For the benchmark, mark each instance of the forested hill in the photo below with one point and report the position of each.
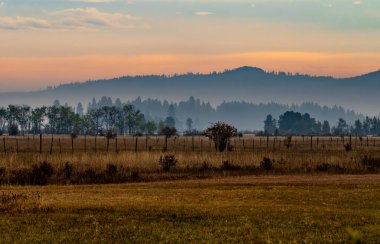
(242, 84)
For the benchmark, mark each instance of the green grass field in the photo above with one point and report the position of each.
(319, 209)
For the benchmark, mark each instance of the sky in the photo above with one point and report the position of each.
(49, 42)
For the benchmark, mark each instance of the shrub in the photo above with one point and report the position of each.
(266, 164)
(110, 134)
(2, 174)
(226, 165)
(41, 173)
(20, 176)
(348, 147)
(13, 130)
(324, 167)
(220, 133)
(167, 162)
(89, 175)
(168, 131)
(111, 170)
(68, 170)
(205, 166)
(135, 175)
(371, 163)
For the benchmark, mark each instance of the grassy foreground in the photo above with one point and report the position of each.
(320, 208)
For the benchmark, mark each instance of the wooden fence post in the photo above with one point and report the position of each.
(367, 141)
(311, 142)
(72, 144)
(192, 142)
(40, 143)
(317, 142)
(51, 144)
(28, 144)
(116, 150)
(85, 143)
(146, 142)
(5, 146)
(136, 144)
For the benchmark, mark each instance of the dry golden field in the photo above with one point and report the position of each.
(249, 209)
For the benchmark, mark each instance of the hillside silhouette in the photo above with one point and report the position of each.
(249, 84)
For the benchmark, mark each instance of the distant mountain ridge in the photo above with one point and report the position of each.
(250, 84)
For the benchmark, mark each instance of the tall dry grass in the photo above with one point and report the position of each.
(194, 154)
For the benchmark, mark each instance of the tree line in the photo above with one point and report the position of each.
(295, 123)
(63, 119)
(125, 119)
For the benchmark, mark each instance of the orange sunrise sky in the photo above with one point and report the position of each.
(51, 42)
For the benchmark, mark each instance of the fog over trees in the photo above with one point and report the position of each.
(106, 116)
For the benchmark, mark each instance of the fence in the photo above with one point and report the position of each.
(51, 144)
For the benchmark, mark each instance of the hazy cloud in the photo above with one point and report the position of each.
(93, 1)
(357, 2)
(72, 18)
(203, 13)
(92, 17)
(20, 22)
(2, 4)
